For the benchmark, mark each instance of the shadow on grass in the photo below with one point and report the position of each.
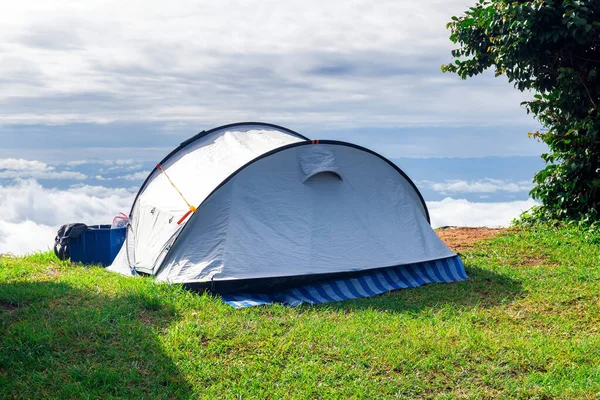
(60, 342)
(483, 289)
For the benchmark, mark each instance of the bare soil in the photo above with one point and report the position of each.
(461, 239)
(7, 306)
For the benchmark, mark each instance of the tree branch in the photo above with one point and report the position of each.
(586, 59)
(587, 91)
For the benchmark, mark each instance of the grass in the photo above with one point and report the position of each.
(525, 325)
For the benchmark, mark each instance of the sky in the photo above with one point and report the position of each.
(94, 93)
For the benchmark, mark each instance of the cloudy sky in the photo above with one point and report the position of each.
(93, 93)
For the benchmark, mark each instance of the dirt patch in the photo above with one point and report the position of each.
(540, 259)
(50, 271)
(146, 319)
(461, 239)
(534, 260)
(8, 307)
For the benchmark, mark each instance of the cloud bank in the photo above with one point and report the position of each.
(13, 168)
(31, 214)
(486, 185)
(460, 212)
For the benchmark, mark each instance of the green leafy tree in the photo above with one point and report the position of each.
(552, 48)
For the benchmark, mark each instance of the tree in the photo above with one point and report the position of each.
(552, 48)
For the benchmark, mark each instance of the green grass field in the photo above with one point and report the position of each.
(525, 325)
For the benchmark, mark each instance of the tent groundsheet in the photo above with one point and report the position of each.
(366, 284)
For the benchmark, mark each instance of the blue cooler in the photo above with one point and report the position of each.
(99, 244)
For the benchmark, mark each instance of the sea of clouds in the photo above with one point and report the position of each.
(32, 212)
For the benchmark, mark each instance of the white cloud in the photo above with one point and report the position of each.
(43, 175)
(460, 212)
(77, 163)
(19, 164)
(122, 167)
(135, 177)
(25, 237)
(31, 214)
(486, 185)
(13, 168)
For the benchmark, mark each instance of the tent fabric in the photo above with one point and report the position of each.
(269, 204)
(318, 159)
(195, 170)
(267, 221)
(369, 283)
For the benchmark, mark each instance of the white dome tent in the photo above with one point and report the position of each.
(259, 213)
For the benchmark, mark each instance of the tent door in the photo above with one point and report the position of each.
(155, 229)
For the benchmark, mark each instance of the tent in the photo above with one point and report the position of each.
(259, 213)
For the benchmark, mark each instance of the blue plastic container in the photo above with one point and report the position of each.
(99, 244)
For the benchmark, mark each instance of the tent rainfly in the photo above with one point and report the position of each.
(260, 214)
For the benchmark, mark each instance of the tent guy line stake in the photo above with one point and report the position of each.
(192, 208)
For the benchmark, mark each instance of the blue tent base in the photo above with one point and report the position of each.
(370, 283)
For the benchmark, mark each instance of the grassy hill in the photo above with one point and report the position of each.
(525, 325)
